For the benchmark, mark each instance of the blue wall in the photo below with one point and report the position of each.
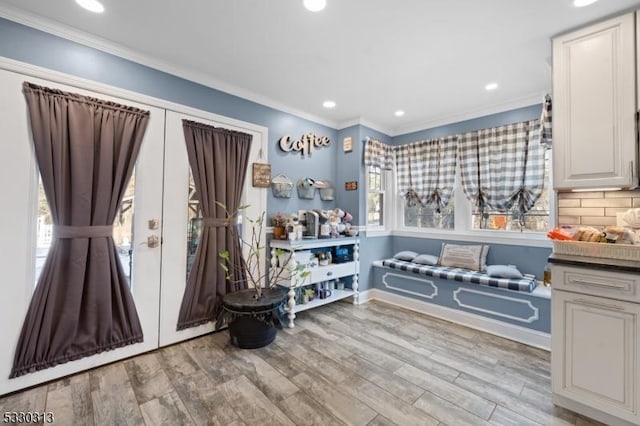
(513, 116)
(32, 46)
(530, 260)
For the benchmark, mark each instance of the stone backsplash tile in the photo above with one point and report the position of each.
(606, 202)
(596, 208)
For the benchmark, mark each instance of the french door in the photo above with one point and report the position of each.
(181, 216)
(153, 230)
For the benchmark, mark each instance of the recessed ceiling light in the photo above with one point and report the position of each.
(399, 113)
(315, 5)
(91, 5)
(491, 86)
(583, 3)
(329, 104)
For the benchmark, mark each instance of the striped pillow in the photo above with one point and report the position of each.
(472, 257)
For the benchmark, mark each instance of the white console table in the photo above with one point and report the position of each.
(318, 274)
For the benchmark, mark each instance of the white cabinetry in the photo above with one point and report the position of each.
(319, 274)
(595, 362)
(594, 106)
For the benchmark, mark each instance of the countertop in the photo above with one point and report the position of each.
(600, 263)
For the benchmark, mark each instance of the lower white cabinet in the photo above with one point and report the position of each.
(595, 355)
(344, 264)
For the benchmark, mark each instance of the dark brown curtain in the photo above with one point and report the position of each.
(86, 150)
(218, 159)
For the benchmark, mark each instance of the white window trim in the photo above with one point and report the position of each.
(389, 205)
(463, 227)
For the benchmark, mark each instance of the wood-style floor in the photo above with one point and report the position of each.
(369, 365)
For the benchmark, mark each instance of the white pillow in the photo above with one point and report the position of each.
(426, 259)
(405, 255)
(503, 271)
(472, 257)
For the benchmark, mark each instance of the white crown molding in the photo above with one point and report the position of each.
(496, 108)
(58, 29)
(61, 30)
(362, 122)
(521, 102)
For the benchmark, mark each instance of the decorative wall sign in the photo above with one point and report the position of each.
(305, 144)
(347, 144)
(261, 175)
(351, 186)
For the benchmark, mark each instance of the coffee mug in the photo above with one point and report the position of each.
(324, 293)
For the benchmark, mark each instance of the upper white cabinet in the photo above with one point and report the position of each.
(594, 123)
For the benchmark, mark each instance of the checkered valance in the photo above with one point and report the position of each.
(379, 154)
(503, 167)
(426, 171)
(546, 122)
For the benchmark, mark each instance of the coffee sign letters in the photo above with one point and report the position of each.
(305, 144)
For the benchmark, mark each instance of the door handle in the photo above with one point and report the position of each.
(153, 241)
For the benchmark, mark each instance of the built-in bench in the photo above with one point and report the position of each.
(526, 284)
(514, 308)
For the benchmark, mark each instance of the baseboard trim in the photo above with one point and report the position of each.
(509, 331)
(590, 412)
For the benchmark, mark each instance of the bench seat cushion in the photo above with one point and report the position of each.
(463, 275)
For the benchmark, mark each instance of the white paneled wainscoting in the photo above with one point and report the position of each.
(516, 315)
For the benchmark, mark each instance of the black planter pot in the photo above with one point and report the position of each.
(252, 322)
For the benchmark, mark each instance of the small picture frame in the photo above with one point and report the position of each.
(347, 144)
(261, 176)
(351, 186)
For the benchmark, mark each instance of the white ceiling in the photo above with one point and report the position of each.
(429, 58)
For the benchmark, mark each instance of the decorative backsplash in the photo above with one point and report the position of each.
(596, 208)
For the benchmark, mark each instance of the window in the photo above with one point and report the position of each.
(375, 196)
(536, 219)
(122, 230)
(427, 216)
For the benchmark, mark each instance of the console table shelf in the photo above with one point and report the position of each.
(345, 268)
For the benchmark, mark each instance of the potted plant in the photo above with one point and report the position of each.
(253, 315)
(279, 221)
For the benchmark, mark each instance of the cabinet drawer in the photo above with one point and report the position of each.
(614, 285)
(323, 273)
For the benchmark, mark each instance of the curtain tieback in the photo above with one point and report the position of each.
(62, 231)
(214, 222)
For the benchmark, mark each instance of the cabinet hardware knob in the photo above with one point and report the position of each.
(329, 273)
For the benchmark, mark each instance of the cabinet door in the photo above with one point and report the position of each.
(594, 106)
(595, 352)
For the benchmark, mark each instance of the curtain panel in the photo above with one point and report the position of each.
(546, 122)
(503, 167)
(218, 159)
(378, 154)
(426, 171)
(86, 149)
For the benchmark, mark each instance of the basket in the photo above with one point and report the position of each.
(306, 190)
(281, 186)
(608, 251)
(326, 189)
(327, 194)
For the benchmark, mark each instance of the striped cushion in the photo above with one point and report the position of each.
(464, 275)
